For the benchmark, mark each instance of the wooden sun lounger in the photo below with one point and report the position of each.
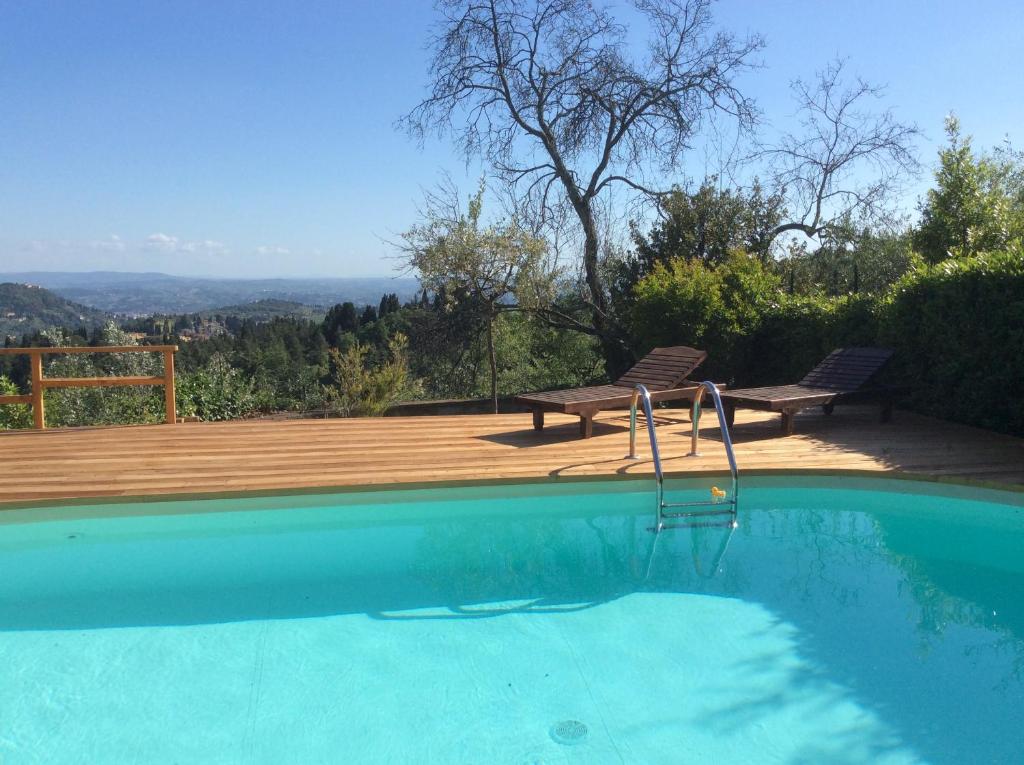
(663, 371)
(843, 377)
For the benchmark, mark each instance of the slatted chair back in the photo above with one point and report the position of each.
(847, 369)
(663, 368)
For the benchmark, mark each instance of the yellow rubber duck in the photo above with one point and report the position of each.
(717, 493)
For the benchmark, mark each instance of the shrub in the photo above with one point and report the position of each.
(216, 391)
(718, 308)
(13, 416)
(358, 390)
(958, 329)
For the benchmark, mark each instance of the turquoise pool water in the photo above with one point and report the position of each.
(844, 621)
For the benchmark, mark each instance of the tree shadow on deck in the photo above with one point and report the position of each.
(566, 431)
(851, 438)
(854, 437)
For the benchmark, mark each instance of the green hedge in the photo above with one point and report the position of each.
(798, 332)
(755, 333)
(957, 328)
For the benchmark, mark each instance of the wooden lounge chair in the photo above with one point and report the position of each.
(843, 377)
(663, 371)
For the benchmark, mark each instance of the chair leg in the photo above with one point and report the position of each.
(538, 419)
(587, 425)
(730, 413)
(828, 408)
(788, 416)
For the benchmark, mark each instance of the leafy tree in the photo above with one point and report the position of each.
(972, 207)
(447, 349)
(388, 304)
(705, 225)
(369, 315)
(340, 319)
(1010, 165)
(537, 356)
(849, 261)
(488, 265)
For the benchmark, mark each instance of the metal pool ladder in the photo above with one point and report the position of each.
(716, 507)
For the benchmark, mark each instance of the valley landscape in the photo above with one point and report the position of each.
(144, 294)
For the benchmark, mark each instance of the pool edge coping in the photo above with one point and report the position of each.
(116, 499)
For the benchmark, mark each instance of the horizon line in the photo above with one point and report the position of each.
(204, 276)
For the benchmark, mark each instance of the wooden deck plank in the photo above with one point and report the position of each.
(267, 455)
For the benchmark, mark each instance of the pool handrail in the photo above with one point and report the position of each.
(641, 394)
(723, 426)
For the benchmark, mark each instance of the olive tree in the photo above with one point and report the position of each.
(498, 266)
(553, 94)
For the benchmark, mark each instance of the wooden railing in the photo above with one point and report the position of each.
(41, 383)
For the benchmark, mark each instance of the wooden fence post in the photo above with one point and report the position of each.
(169, 400)
(40, 384)
(38, 413)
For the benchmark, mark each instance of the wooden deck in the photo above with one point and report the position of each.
(268, 455)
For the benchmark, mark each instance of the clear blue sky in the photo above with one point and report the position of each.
(256, 138)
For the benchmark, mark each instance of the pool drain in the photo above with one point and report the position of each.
(569, 732)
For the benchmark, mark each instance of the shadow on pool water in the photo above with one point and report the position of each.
(924, 625)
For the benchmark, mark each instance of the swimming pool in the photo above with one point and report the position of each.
(846, 620)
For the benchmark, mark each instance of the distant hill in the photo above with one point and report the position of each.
(268, 309)
(139, 294)
(27, 308)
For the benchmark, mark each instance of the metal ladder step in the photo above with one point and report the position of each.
(730, 524)
(695, 504)
(641, 394)
(695, 513)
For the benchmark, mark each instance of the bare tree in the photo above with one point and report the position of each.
(549, 92)
(821, 170)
